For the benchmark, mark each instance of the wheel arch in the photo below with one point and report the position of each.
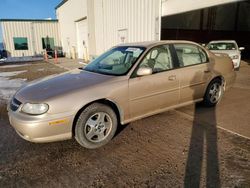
(105, 101)
(221, 78)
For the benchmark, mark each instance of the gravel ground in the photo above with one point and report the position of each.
(28, 72)
(178, 148)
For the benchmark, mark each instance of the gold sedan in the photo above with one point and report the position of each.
(127, 83)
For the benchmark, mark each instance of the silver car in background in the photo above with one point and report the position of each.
(228, 47)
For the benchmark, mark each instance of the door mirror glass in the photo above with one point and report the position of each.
(144, 71)
(241, 48)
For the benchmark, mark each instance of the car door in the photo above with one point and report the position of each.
(151, 93)
(194, 71)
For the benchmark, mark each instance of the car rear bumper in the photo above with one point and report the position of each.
(230, 79)
(236, 63)
(42, 130)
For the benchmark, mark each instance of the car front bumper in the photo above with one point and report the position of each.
(42, 129)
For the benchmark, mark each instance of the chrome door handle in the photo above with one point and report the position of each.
(172, 78)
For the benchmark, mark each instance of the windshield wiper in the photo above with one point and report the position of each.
(101, 72)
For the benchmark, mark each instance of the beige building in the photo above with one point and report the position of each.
(22, 37)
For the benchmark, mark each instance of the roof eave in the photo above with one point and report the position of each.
(27, 20)
(61, 4)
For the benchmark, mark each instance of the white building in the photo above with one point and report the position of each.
(89, 27)
(22, 37)
(72, 16)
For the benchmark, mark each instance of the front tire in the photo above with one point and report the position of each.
(213, 93)
(95, 126)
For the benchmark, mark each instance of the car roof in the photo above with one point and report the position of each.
(156, 43)
(223, 41)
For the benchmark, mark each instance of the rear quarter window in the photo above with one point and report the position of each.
(203, 55)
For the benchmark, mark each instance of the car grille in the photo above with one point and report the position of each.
(15, 104)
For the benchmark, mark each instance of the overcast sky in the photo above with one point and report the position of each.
(27, 9)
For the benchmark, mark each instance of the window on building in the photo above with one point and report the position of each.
(48, 43)
(20, 43)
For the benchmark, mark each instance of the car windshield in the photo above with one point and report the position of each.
(221, 46)
(116, 61)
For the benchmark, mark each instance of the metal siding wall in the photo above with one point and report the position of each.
(139, 17)
(99, 26)
(91, 27)
(44, 29)
(23, 29)
(68, 14)
(17, 29)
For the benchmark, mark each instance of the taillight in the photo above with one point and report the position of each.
(232, 64)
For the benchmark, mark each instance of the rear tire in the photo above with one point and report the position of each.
(213, 93)
(95, 126)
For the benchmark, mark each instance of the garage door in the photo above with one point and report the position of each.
(82, 39)
(170, 7)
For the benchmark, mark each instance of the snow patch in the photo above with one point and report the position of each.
(2, 60)
(9, 74)
(14, 66)
(8, 86)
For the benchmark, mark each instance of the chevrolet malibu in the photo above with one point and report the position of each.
(127, 83)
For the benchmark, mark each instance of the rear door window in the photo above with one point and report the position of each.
(189, 54)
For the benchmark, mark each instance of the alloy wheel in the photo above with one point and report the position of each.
(215, 92)
(98, 127)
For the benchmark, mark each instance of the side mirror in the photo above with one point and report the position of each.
(241, 48)
(144, 71)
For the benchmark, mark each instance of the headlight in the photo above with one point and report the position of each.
(235, 57)
(35, 109)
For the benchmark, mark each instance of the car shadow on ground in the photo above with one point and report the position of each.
(120, 128)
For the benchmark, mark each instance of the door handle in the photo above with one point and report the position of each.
(172, 78)
(207, 71)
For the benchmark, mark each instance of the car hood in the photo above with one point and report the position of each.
(60, 85)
